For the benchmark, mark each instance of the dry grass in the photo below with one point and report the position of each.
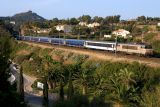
(23, 52)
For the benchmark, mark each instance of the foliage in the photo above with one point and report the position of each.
(70, 88)
(149, 37)
(45, 91)
(156, 46)
(21, 85)
(85, 18)
(8, 95)
(53, 31)
(158, 28)
(103, 83)
(151, 99)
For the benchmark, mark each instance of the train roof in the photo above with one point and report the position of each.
(75, 40)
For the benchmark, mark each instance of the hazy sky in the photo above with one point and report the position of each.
(74, 8)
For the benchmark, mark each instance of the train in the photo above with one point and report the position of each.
(128, 48)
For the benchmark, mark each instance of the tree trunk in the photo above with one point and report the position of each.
(21, 85)
(117, 105)
(50, 84)
(70, 89)
(45, 92)
(61, 91)
(54, 84)
(84, 90)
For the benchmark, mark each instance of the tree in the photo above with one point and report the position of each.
(53, 31)
(82, 76)
(112, 19)
(45, 91)
(126, 77)
(141, 18)
(21, 85)
(55, 74)
(5, 50)
(122, 88)
(54, 22)
(97, 19)
(85, 18)
(8, 95)
(70, 87)
(61, 91)
(73, 21)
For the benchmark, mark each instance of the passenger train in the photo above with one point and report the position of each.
(129, 48)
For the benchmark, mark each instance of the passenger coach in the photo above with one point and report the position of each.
(110, 46)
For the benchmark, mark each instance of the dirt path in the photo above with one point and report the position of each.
(33, 99)
(102, 55)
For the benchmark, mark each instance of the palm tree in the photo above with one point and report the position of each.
(122, 88)
(127, 77)
(82, 77)
(70, 87)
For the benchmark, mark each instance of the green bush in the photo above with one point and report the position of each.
(149, 37)
(156, 46)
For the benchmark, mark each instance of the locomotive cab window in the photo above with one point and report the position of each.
(148, 47)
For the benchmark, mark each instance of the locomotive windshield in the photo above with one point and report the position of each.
(148, 47)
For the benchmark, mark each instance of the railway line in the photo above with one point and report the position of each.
(101, 55)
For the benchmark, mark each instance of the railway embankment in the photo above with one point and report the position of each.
(100, 55)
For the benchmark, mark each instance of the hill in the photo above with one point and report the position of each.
(27, 16)
(24, 17)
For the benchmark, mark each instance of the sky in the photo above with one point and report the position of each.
(128, 9)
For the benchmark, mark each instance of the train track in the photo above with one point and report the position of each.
(102, 55)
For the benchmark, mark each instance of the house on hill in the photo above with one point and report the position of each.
(92, 25)
(39, 31)
(65, 28)
(82, 23)
(122, 32)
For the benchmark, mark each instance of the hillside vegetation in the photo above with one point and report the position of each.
(152, 38)
(90, 83)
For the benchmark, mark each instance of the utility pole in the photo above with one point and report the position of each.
(116, 46)
(59, 37)
(142, 37)
(78, 33)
